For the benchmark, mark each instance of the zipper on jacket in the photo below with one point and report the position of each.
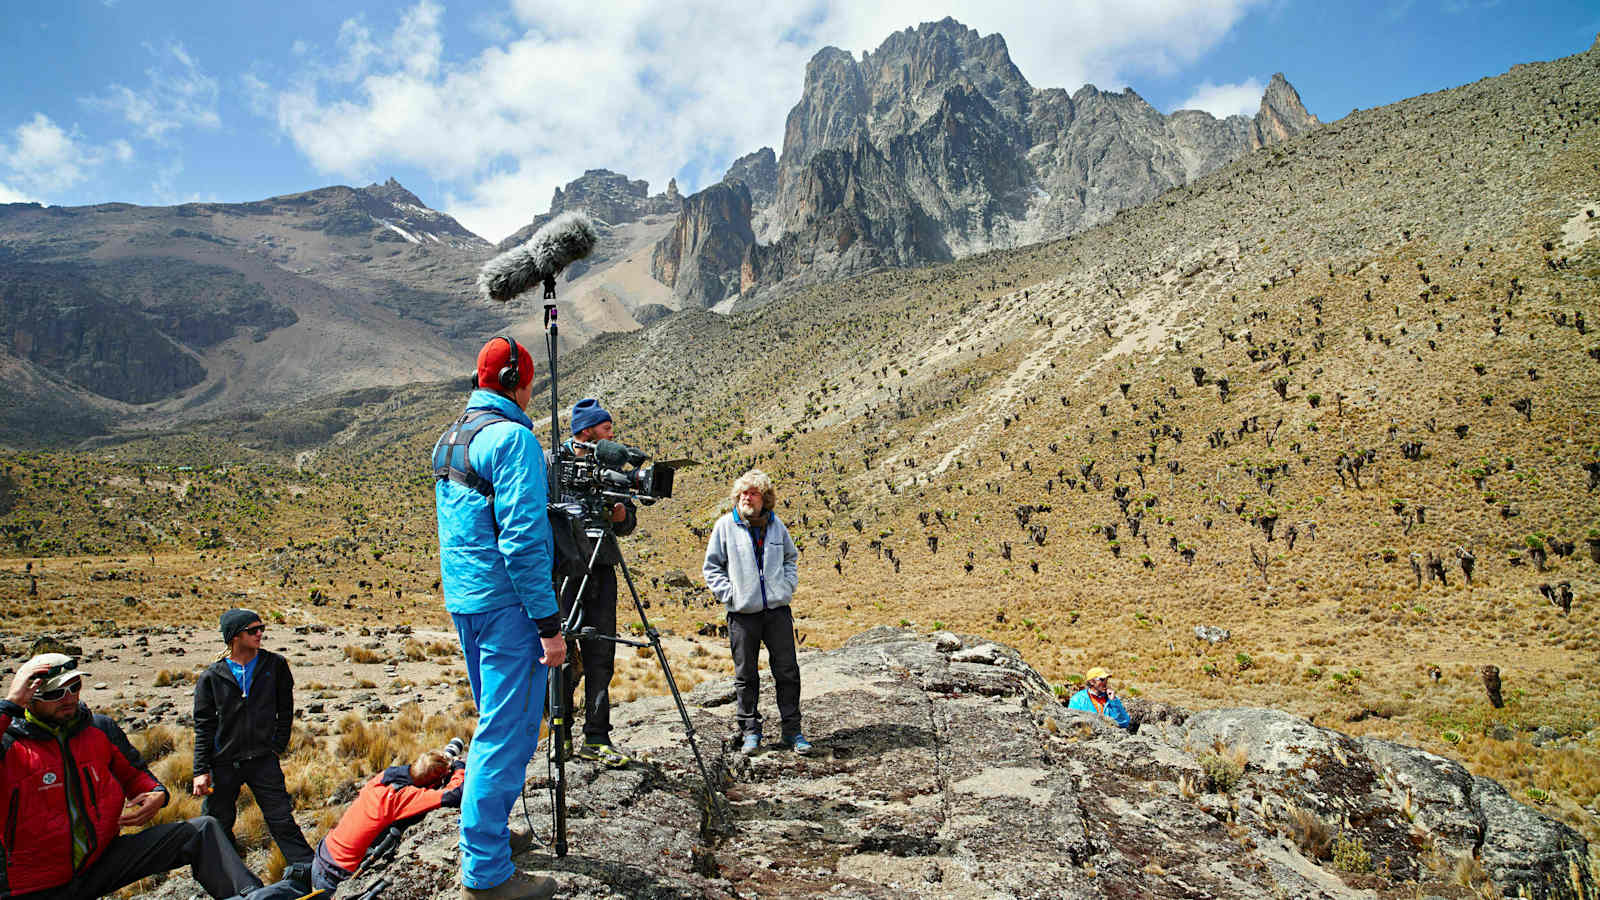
(68, 765)
(88, 782)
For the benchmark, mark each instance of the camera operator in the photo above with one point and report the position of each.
(590, 423)
(495, 560)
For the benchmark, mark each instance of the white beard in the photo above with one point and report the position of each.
(746, 510)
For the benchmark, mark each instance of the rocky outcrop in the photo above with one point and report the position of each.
(611, 198)
(699, 259)
(978, 158)
(1282, 116)
(945, 767)
(759, 172)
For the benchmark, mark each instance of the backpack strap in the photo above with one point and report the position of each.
(450, 462)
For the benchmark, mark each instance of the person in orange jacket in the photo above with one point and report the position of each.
(393, 796)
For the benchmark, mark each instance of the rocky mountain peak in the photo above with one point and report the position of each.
(392, 191)
(912, 64)
(610, 197)
(1282, 115)
(975, 158)
(759, 172)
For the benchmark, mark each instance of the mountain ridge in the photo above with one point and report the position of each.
(935, 146)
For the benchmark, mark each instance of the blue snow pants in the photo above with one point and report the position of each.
(502, 652)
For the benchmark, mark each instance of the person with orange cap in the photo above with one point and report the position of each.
(496, 561)
(1098, 697)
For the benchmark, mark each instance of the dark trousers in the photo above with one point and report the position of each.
(200, 843)
(747, 632)
(327, 875)
(265, 778)
(599, 657)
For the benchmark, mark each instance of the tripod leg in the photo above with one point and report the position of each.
(560, 711)
(557, 756)
(672, 683)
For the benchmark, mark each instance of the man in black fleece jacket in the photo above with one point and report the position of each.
(243, 713)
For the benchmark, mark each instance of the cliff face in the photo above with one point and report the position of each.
(939, 119)
(88, 338)
(699, 259)
(759, 172)
(945, 767)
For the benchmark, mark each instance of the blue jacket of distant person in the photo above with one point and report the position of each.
(498, 553)
(1112, 709)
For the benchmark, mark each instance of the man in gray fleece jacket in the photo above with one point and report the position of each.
(752, 567)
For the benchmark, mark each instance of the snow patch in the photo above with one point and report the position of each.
(400, 231)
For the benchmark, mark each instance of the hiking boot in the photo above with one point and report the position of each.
(798, 744)
(521, 840)
(752, 743)
(604, 754)
(517, 887)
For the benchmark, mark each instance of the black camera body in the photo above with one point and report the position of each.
(608, 473)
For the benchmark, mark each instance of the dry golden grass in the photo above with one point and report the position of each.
(167, 677)
(362, 654)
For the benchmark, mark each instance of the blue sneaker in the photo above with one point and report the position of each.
(752, 743)
(799, 745)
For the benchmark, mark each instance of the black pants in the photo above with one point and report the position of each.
(265, 778)
(747, 632)
(200, 843)
(599, 657)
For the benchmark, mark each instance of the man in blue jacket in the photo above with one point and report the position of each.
(1098, 697)
(495, 560)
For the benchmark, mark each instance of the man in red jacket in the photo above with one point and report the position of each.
(395, 795)
(70, 781)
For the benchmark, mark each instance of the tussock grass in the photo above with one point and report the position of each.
(357, 654)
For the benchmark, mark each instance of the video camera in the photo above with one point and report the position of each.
(611, 471)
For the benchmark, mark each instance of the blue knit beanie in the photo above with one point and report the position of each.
(587, 413)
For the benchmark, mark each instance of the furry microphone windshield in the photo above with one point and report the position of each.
(564, 240)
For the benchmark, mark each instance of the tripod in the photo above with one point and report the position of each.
(597, 529)
(560, 715)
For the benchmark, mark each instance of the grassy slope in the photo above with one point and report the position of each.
(1369, 264)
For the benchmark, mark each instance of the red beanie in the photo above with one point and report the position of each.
(495, 356)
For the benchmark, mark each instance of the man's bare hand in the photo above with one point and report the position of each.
(202, 784)
(141, 809)
(618, 512)
(27, 682)
(555, 650)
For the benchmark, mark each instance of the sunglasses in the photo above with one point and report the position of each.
(71, 687)
(255, 629)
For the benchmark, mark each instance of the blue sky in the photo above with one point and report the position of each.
(482, 108)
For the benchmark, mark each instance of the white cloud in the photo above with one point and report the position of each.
(7, 195)
(651, 89)
(1223, 100)
(43, 158)
(178, 95)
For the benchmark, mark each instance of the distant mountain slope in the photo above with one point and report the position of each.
(202, 308)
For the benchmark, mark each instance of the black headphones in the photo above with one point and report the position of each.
(507, 376)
